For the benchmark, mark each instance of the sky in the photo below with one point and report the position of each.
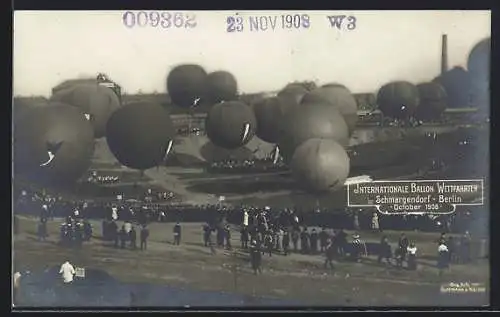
(50, 47)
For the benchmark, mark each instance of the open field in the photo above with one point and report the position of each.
(300, 278)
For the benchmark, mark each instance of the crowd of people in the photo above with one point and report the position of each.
(75, 231)
(94, 178)
(247, 166)
(187, 131)
(262, 231)
(154, 207)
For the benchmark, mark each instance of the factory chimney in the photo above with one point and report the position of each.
(444, 53)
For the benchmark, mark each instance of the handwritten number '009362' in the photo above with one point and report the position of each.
(155, 19)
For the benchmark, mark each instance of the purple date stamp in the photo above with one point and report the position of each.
(263, 23)
(159, 19)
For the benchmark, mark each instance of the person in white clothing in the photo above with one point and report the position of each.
(412, 256)
(114, 214)
(128, 227)
(443, 258)
(15, 289)
(67, 271)
(245, 218)
(375, 222)
(17, 277)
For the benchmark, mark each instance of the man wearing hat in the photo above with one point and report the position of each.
(177, 234)
(330, 254)
(443, 257)
(227, 236)
(412, 257)
(44, 213)
(403, 244)
(359, 248)
(255, 257)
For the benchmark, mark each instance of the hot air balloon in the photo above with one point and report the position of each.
(433, 101)
(320, 165)
(140, 135)
(21, 105)
(478, 65)
(53, 144)
(293, 92)
(97, 102)
(457, 83)
(230, 124)
(269, 113)
(398, 99)
(186, 85)
(221, 86)
(339, 97)
(320, 120)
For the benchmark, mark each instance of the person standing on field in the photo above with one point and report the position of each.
(177, 234)
(68, 272)
(375, 222)
(144, 237)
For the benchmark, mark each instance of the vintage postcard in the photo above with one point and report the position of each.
(251, 158)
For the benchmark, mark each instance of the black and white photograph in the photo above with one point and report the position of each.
(277, 159)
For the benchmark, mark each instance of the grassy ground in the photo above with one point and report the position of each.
(297, 277)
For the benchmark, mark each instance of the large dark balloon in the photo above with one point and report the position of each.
(230, 124)
(478, 63)
(53, 144)
(398, 99)
(320, 120)
(269, 113)
(339, 97)
(96, 101)
(320, 165)
(293, 92)
(140, 135)
(221, 86)
(433, 101)
(185, 84)
(21, 105)
(457, 83)
(479, 68)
